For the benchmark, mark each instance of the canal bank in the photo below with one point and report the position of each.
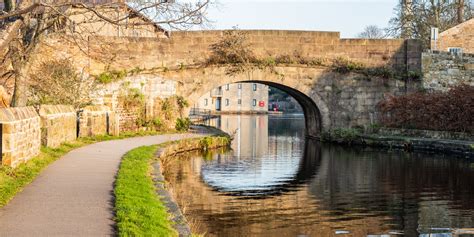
(143, 205)
(449, 143)
(172, 151)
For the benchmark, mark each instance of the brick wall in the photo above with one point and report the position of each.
(442, 70)
(460, 36)
(21, 135)
(58, 124)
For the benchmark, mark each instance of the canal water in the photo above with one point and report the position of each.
(274, 182)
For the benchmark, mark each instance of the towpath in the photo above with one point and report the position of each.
(74, 195)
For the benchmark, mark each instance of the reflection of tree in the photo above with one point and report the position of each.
(398, 185)
(286, 126)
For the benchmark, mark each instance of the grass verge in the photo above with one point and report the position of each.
(12, 180)
(139, 211)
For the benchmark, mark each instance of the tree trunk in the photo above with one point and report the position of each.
(407, 11)
(9, 5)
(20, 92)
(460, 11)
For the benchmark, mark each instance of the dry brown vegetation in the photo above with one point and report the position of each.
(448, 111)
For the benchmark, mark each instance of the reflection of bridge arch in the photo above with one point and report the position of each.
(307, 168)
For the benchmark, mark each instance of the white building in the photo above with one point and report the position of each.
(236, 98)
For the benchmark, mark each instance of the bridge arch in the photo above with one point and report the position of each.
(312, 114)
(314, 108)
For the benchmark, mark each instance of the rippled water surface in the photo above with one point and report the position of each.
(275, 183)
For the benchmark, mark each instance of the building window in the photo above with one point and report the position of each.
(254, 87)
(227, 102)
(227, 87)
(239, 101)
(205, 102)
(254, 102)
(240, 86)
(455, 51)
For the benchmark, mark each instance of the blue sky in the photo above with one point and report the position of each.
(348, 17)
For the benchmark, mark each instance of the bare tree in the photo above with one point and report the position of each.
(57, 82)
(414, 18)
(372, 32)
(74, 18)
(174, 14)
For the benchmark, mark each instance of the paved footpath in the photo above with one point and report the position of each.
(74, 195)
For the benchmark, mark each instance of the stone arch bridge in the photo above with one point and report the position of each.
(329, 99)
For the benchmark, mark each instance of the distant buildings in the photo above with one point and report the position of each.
(236, 98)
(457, 39)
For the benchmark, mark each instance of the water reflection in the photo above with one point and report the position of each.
(295, 187)
(261, 164)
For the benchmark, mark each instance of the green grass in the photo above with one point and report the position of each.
(139, 211)
(12, 181)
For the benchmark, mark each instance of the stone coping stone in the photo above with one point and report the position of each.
(17, 114)
(46, 110)
(96, 108)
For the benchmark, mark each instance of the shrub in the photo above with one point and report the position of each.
(316, 62)
(448, 111)
(342, 135)
(157, 124)
(233, 48)
(284, 59)
(57, 82)
(183, 124)
(182, 102)
(111, 76)
(414, 75)
(342, 65)
(384, 72)
(133, 97)
(205, 143)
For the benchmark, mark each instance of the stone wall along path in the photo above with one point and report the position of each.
(74, 196)
(21, 135)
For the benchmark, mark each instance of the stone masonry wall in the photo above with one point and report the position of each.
(194, 47)
(23, 131)
(128, 119)
(93, 121)
(442, 70)
(336, 96)
(21, 135)
(151, 86)
(58, 124)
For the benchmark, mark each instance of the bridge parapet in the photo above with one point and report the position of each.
(194, 47)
